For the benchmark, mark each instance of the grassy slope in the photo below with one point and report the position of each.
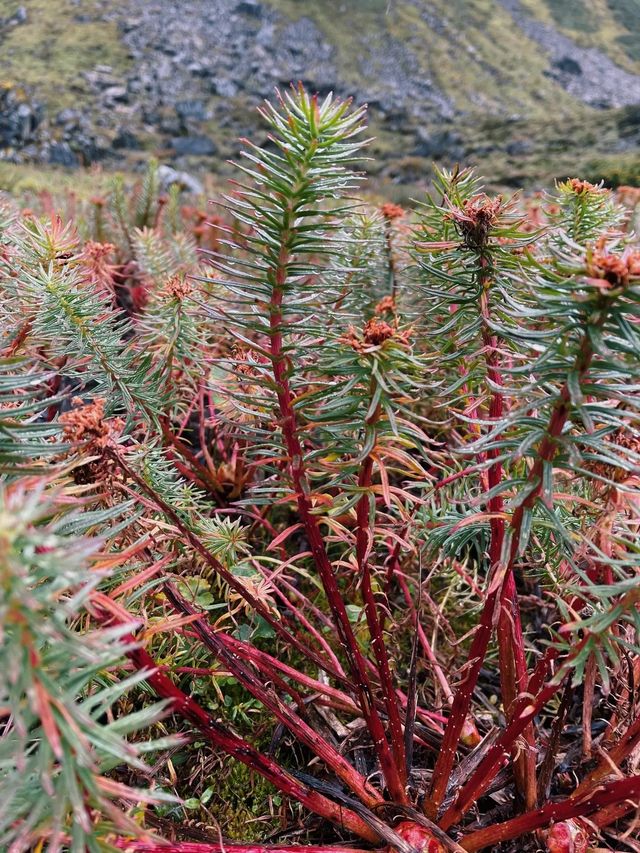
(476, 56)
(610, 25)
(479, 51)
(51, 50)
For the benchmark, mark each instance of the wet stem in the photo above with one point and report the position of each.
(364, 539)
(511, 646)
(498, 588)
(230, 743)
(393, 774)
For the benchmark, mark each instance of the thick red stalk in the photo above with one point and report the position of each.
(296, 725)
(546, 452)
(234, 583)
(511, 647)
(462, 699)
(610, 794)
(297, 472)
(299, 615)
(629, 741)
(265, 661)
(525, 709)
(613, 812)
(364, 536)
(226, 847)
(225, 740)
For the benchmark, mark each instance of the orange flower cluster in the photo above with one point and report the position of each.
(86, 422)
(387, 305)
(178, 286)
(579, 187)
(392, 211)
(475, 218)
(614, 271)
(374, 334)
(95, 260)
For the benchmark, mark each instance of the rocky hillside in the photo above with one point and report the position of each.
(531, 89)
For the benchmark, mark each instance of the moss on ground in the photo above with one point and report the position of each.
(59, 40)
(243, 804)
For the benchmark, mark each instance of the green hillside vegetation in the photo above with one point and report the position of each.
(58, 41)
(496, 103)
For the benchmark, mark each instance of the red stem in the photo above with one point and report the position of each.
(17, 342)
(297, 472)
(511, 648)
(546, 452)
(364, 536)
(302, 730)
(609, 795)
(424, 642)
(262, 659)
(525, 709)
(224, 847)
(230, 743)
(228, 577)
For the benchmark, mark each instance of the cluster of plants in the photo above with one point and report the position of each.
(338, 499)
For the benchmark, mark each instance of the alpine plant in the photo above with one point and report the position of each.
(360, 480)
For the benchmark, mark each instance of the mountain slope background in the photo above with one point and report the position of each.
(529, 90)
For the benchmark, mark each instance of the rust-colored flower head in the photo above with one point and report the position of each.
(611, 271)
(178, 287)
(566, 837)
(475, 218)
(97, 251)
(584, 187)
(86, 422)
(95, 259)
(375, 333)
(629, 196)
(391, 211)
(387, 305)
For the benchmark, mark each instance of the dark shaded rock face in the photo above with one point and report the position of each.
(568, 65)
(197, 70)
(60, 154)
(250, 7)
(20, 118)
(125, 139)
(194, 146)
(438, 144)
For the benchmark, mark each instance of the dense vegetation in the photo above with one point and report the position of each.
(319, 522)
